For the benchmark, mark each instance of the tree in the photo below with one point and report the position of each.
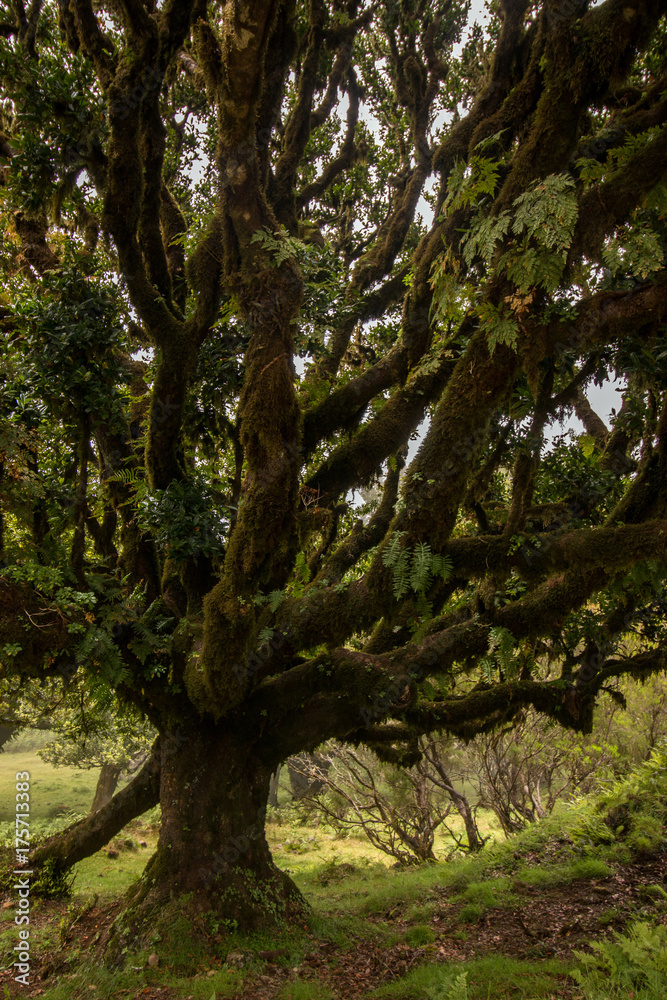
(397, 809)
(88, 727)
(222, 313)
(100, 736)
(523, 771)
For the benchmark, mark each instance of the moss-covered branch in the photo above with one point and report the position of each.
(359, 459)
(91, 833)
(613, 547)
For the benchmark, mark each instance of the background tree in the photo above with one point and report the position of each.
(87, 728)
(399, 810)
(520, 773)
(99, 736)
(223, 311)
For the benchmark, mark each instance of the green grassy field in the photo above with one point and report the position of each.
(58, 794)
(54, 791)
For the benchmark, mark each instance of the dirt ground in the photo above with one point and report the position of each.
(547, 923)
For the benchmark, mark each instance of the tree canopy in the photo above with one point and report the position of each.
(250, 252)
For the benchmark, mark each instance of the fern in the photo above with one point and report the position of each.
(638, 252)
(503, 654)
(421, 573)
(128, 477)
(414, 570)
(302, 568)
(469, 184)
(633, 959)
(451, 990)
(488, 666)
(276, 598)
(281, 246)
(396, 556)
(393, 549)
(483, 238)
(401, 576)
(441, 566)
(500, 327)
(548, 212)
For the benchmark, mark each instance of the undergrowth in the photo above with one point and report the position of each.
(357, 900)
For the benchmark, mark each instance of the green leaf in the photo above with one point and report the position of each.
(420, 568)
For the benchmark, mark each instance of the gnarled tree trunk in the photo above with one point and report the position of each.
(212, 855)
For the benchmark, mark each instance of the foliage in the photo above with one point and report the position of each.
(414, 570)
(52, 883)
(189, 519)
(91, 739)
(633, 959)
(523, 772)
(226, 311)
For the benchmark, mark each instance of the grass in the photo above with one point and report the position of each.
(561, 874)
(54, 791)
(487, 979)
(112, 877)
(357, 898)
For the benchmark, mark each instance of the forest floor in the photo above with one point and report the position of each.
(511, 919)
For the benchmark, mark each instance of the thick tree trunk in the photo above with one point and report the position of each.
(106, 785)
(94, 831)
(6, 733)
(212, 860)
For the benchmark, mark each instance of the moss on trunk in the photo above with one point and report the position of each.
(212, 855)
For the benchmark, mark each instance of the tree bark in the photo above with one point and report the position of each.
(6, 733)
(462, 806)
(106, 785)
(273, 789)
(90, 834)
(212, 856)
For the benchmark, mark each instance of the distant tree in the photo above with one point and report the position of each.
(643, 725)
(225, 306)
(306, 774)
(399, 810)
(111, 741)
(354, 795)
(520, 773)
